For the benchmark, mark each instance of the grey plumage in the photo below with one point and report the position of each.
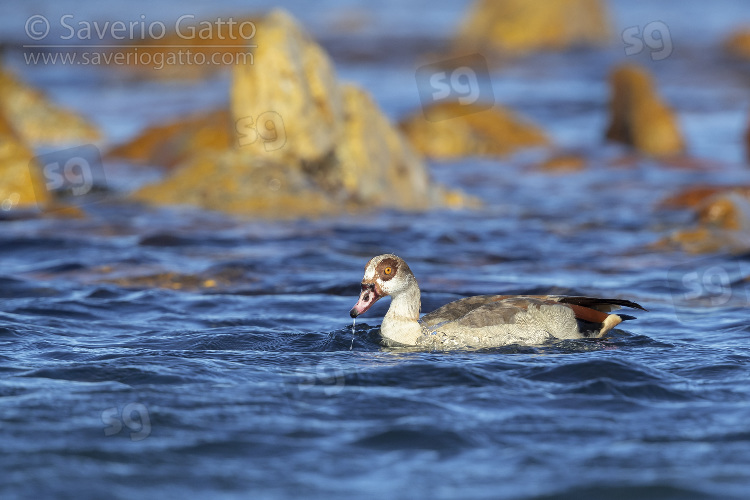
(484, 321)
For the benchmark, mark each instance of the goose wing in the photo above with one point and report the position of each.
(489, 309)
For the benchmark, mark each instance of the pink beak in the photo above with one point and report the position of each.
(367, 298)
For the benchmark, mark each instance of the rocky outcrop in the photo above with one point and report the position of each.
(469, 130)
(294, 79)
(36, 119)
(703, 240)
(18, 175)
(240, 184)
(638, 117)
(376, 163)
(695, 196)
(303, 144)
(729, 211)
(520, 26)
(175, 143)
(563, 162)
(722, 220)
(738, 44)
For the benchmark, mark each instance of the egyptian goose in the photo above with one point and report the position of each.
(481, 321)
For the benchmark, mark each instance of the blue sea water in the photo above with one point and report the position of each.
(162, 352)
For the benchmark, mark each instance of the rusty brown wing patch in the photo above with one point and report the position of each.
(588, 314)
(387, 269)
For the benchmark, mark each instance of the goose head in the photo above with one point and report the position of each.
(385, 274)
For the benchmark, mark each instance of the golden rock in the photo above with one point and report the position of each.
(638, 117)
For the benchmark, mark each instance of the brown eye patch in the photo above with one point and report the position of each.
(387, 269)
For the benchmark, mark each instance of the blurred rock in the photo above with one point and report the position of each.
(294, 82)
(237, 183)
(738, 44)
(200, 49)
(685, 162)
(726, 211)
(173, 143)
(564, 162)
(304, 144)
(696, 241)
(702, 240)
(723, 222)
(173, 281)
(36, 119)
(58, 210)
(693, 197)
(520, 26)
(638, 117)
(625, 161)
(632, 159)
(493, 132)
(375, 163)
(16, 171)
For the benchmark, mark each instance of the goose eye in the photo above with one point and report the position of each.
(388, 270)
